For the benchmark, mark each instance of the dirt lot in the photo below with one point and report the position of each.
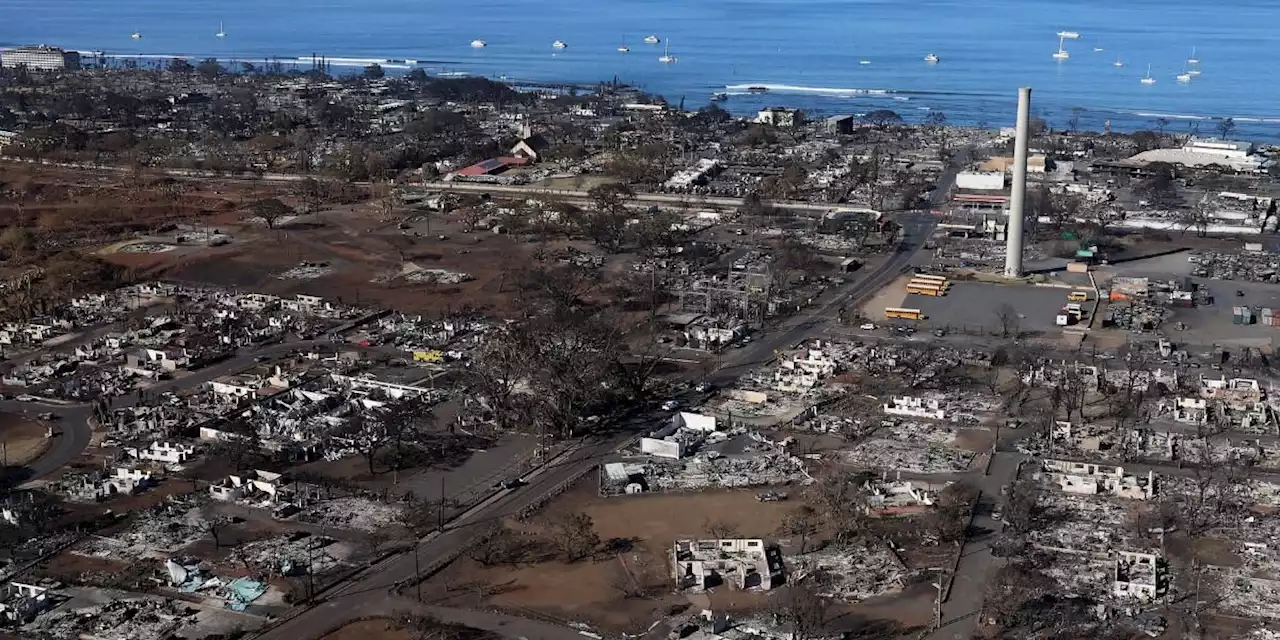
(375, 629)
(592, 590)
(23, 439)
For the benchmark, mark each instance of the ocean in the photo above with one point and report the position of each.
(809, 54)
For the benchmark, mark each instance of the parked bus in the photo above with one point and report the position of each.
(904, 314)
(924, 277)
(1077, 296)
(926, 290)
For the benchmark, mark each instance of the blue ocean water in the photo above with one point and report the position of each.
(808, 52)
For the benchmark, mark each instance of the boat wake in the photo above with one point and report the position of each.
(900, 94)
(1184, 116)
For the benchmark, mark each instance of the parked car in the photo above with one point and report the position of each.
(868, 327)
(671, 405)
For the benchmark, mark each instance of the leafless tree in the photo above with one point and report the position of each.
(573, 535)
(215, 524)
(720, 529)
(802, 523)
(499, 545)
(1007, 317)
(801, 609)
(841, 497)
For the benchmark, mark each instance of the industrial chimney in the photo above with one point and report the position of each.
(1018, 197)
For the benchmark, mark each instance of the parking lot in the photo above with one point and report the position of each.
(976, 307)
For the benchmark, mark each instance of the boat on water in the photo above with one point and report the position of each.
(222, 33)
(624, 49)
(479, 44)
(1069, 35)
(1118, 63)
(1183, 77)
(667, 58)
(757, 90)
(1193, 59)
(864, 62)
(651, 39)
(933, 57)
(559, 44)
(1193, 72)
(719, 97)
(1061, 53)
(1147, 79)
(137, 35)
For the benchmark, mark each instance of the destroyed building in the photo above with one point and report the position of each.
(739, 563)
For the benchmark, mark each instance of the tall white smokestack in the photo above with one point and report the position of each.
(1018, 198)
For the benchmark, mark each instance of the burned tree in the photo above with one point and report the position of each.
(801, 523)
(573, 535)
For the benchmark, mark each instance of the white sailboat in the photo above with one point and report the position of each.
(1193, 59)
(479, 44)
(559, 44)
(933, 57)
(1118, 63)
(624, 48)
(137, 35)
(652, 39)
(864, 62)
(222, 33)
(1147, 79)
(1183, 77)
(1061, 54)
(1193, 72)
(1069, 35)
(667, 58)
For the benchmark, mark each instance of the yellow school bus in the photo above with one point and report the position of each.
(924, 277)
(925, 289)
(903, 314)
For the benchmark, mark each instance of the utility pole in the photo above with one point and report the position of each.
(937, 607)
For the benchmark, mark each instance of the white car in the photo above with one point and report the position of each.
(671, 405)
(868, 327)
(26, 397)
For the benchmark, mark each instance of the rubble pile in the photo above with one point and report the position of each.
(306, 271)
(358, 514)
(1249, 267)
(713, 470)
(143, 618)
(893, 455)
(154, 534)
(853, 574)
(295, 551)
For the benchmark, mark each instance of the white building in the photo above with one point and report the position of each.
(1137, 576)
(40, 57)
(1206, 152)
(165, 452)
(980, 180)
(780, 117)
(1086, 478)
(915, 407)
